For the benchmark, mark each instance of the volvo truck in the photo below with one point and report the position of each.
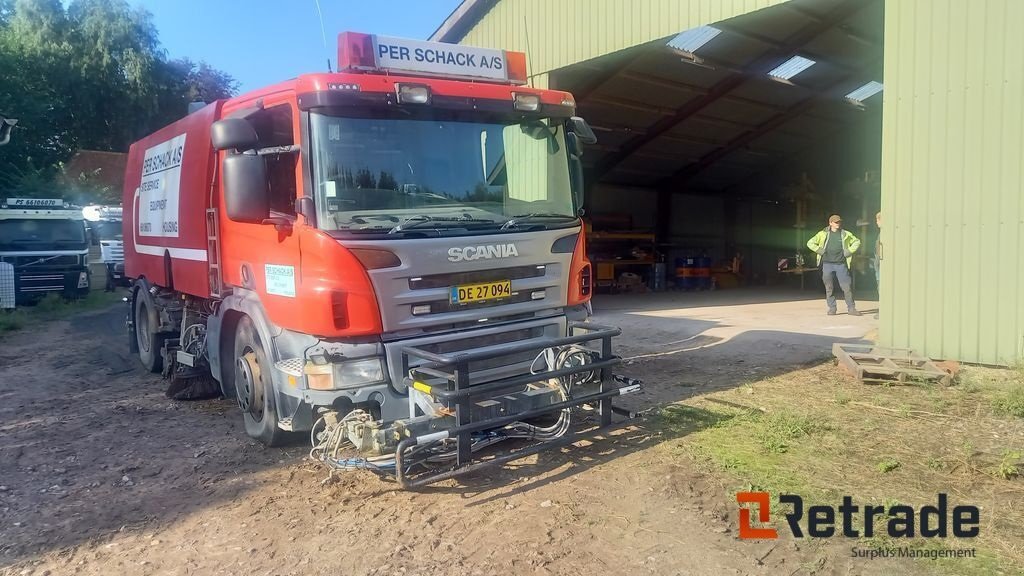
(43, 248)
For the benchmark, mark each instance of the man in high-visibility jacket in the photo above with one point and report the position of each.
(835, 248)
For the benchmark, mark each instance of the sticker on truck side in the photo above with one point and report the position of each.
(158, 192)
(280, 280)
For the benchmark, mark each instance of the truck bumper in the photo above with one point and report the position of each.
(390, 396)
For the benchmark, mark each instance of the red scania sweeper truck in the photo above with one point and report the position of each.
(389, 257)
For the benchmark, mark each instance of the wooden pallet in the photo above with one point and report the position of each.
(869, 363)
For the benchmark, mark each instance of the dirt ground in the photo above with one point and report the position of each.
(100, 474)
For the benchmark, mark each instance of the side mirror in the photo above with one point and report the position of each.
(582, 130)
(304, 205)
(576, 181)
(246, 198)
(572, 143)
(233, 134)
(6, 127)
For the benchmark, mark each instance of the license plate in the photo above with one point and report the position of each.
(481, 292)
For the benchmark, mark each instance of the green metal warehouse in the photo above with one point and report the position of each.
(734, 127)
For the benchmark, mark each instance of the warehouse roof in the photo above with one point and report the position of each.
(461, 20)
(714, 106)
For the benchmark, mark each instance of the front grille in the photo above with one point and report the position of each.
(40, 282)
(449, 346)
(476, 336)
(476, 277)
(47, 261)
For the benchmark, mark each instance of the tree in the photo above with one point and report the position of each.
(204, 83)
(386, 181)
(92, 76)
(364, 179)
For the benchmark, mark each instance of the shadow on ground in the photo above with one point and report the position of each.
(91, 446)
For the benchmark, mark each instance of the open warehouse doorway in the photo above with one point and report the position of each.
(723, 148)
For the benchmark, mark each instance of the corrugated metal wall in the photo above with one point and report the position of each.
(564, 32)
(953, 150)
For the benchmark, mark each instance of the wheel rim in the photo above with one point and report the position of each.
(142, 329)
(249, 384)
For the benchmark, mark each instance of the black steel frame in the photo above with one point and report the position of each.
(450, 378)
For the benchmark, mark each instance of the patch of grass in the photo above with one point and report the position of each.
(1011, 401)
(681, 419)
(51, 307)
(778, 430)
(887, 465)
(1009, 466)
(11, 321)
(969, 386)
(880, 445)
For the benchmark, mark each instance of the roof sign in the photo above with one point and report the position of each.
(791, 67)
(864, 92)
(691, 40)
(371, 52)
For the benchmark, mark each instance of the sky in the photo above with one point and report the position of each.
(261, 42)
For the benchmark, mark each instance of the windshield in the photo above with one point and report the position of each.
(106, 229)
(445, 173)
(29, 233)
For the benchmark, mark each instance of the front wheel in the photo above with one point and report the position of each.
(149, 340)
(254, 386)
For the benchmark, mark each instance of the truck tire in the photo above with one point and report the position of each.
(147, 323)
(254, 386)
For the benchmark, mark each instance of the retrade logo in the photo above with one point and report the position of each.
(470, 253)
(763, 502)
(854, 521)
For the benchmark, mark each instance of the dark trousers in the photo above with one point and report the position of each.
(842, 273)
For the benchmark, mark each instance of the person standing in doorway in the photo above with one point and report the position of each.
(877, 262)
(835, 248)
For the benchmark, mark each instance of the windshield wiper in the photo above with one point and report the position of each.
(515, 221)
(424, 221)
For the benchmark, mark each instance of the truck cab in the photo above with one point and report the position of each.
(44, 242)
(103, 225)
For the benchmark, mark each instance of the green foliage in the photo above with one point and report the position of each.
(89, 76)
(1011, 401)
(887, 465)
(1009, 466)
(780, 429)
(681, 419)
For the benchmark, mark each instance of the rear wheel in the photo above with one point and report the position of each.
(149, 340)
(254, 386)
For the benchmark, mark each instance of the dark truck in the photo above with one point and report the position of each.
(43, 241)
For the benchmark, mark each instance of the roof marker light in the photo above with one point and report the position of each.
(355, 51)
(516, 62)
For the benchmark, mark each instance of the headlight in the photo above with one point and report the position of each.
(358, 373)
(350, 374)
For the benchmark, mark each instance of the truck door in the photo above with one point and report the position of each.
(264, 257)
